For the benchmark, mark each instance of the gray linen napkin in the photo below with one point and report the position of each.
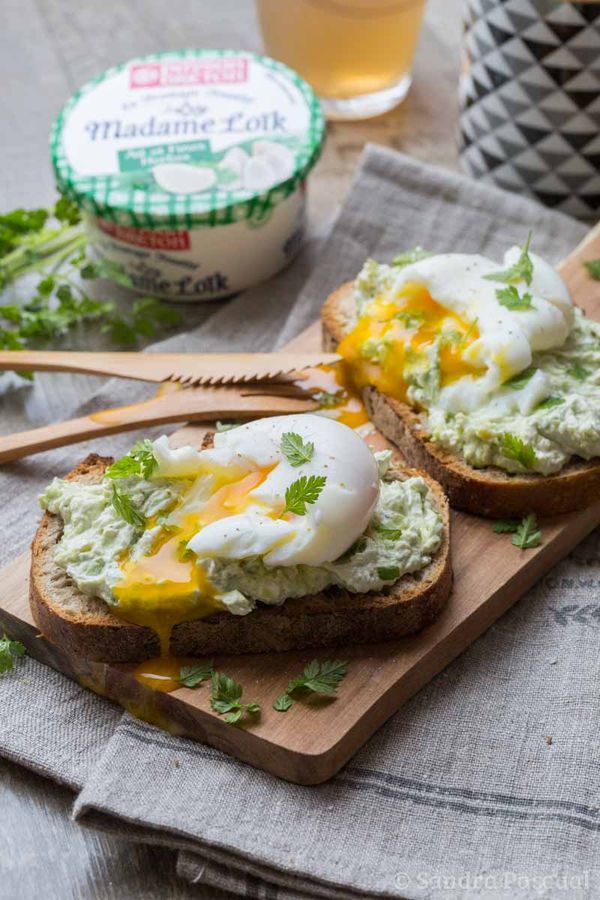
(485, 784)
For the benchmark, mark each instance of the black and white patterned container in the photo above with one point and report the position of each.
(530, 100)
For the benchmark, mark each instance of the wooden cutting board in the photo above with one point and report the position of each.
(311, 742)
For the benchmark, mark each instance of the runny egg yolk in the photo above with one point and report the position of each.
(404, 328)
(167, 586)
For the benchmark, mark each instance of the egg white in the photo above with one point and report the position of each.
(508, 338)
(331, 524)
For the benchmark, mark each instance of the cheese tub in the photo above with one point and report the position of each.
(190, 168)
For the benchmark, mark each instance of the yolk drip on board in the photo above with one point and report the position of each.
(400, 331)
(168, 587)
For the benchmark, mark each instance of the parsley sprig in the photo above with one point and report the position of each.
(514, 447)
(317, 678)
(510, 298)
(193, 676)
(125, 508)
(139, 461)
(296, 451)
(305, 490)
(9, 650)
(521, 271)
(526, 533)
(226, 699)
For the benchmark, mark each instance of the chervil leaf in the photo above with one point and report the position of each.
(192, 676)
(527, 534)
(514, 447)
(295, 450)
(125, 508)
(505, 526)
(302, 491)
(593, 267)
(226, 700)
(139, 461)
(549, 402)
(9, 651)
(578, 371)
(521, 271)
(412, 256)
(388, 573)
(318, 678)
(511, 299)
(519, 381)
(283, 703)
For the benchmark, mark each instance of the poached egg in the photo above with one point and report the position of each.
(233, 506)
(483, 343)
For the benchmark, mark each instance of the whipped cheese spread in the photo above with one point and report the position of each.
(189, 168)
(502, 366)
(170, 535)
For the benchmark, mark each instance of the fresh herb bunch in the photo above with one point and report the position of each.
(317, 678)
(51, 244)
(9, 651)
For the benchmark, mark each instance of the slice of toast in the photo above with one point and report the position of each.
(85, 626)
(485, 492)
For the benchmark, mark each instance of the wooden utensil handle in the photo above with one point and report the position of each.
(123, 364)
(157, 410)
(179, 406)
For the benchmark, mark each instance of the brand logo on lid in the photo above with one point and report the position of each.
(146, 237)
(177, 72)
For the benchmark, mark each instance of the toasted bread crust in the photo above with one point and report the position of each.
(334, 616)
(485, 492)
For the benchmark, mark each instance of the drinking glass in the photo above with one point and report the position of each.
(356, 54)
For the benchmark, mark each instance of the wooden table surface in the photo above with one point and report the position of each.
(48, 48)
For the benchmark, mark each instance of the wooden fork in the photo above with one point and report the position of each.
(191, 404)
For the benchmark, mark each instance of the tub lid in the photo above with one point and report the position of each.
(191, 137)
